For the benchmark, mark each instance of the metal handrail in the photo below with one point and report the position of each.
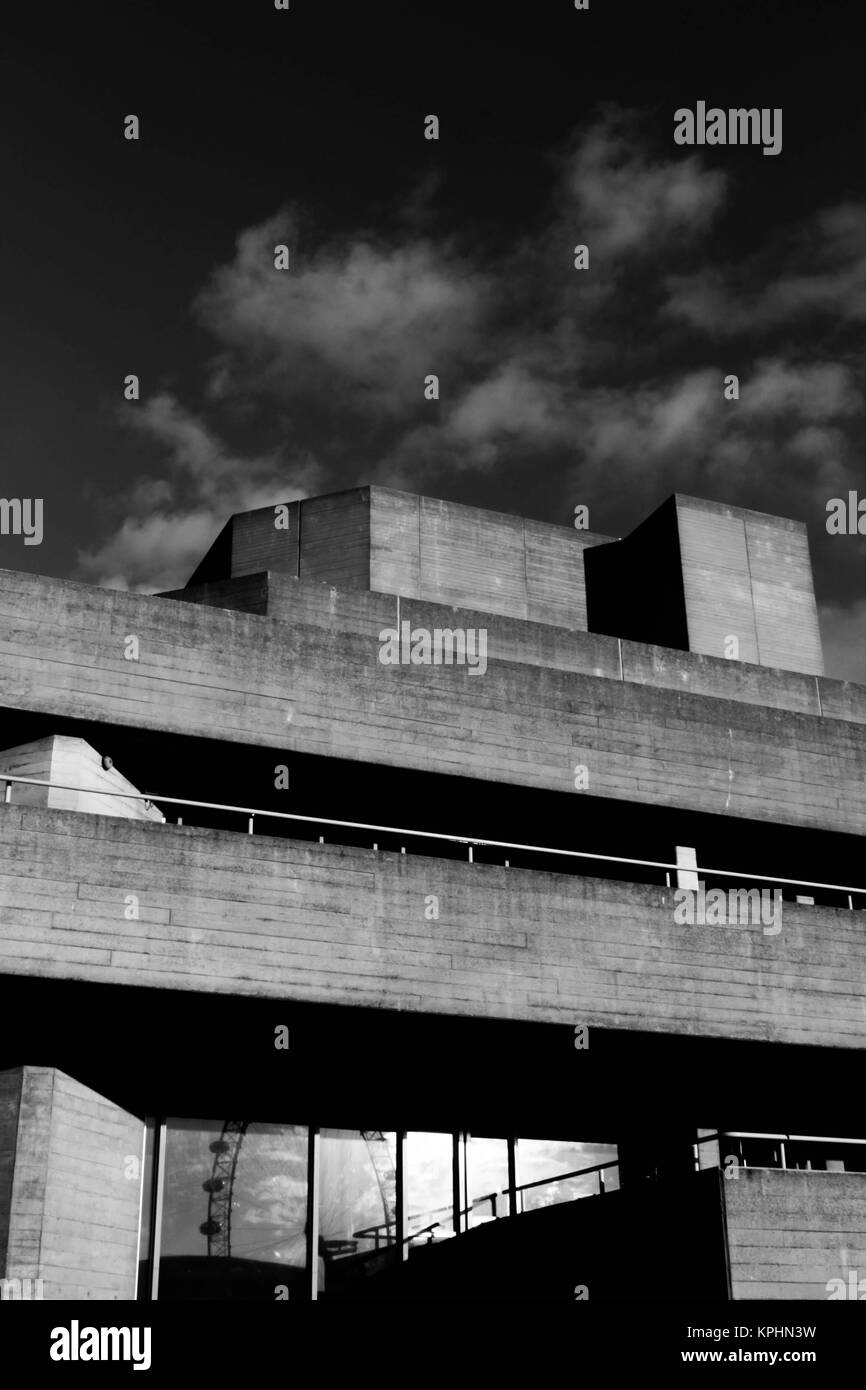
(252, 812)
(787, 1138)
(561, 1177)
(371, 1232)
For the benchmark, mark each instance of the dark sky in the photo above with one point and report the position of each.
(411, 256)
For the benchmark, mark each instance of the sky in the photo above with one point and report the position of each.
(408, 256)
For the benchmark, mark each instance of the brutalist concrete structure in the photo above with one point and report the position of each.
(345, 947)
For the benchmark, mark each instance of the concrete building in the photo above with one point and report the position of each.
(426, 901)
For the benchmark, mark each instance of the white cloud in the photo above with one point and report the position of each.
(819, 391)
(511, 400)
(626, 202)
(819, 270)
(361, 322)
(173, 519)
(574, 380)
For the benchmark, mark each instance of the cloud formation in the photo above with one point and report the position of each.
(361, 322)
(173, 518)
(819, 272)
(626, 201)
(603, 386)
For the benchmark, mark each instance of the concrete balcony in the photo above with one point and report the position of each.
(99, 899)
(653, 726)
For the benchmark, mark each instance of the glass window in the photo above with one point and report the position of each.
(429, 1186)
(234, 1210)
(357, 1205)
(487, 1177)
(541, 1160)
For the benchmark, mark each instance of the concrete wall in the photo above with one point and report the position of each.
(341, 613)
(246, 594)
(789, 1233)
(71, 1211)
(749, 575)
(257, 543)
(82, 783)
(247, 679)
(10, 1101)
(698, 573)
(468, 557)
(334, 538)
(399, 543)
(233, 913)
(692, 575)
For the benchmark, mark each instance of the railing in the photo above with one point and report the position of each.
(375, 1232)
(252, 813)
(781, 1140)
(381, 1233)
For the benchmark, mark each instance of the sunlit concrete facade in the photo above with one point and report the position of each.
(422, 923)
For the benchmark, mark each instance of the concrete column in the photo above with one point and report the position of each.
(70, 1189)
(664, 1152)
(687, 864)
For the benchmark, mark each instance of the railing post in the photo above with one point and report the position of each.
(401, 1212)
(313, 1179)
(7, 794)
(456, 1186)
(250, 825)
(512, 1174)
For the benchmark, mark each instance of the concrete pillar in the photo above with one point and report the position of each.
(687, 864)
(70, 1189)
(666, 1151)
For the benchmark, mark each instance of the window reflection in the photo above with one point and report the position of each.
(234, 1202)
(357, 1205)
(429, 1186)
(234, 1210)
(487, 1178)
(541, 1160)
